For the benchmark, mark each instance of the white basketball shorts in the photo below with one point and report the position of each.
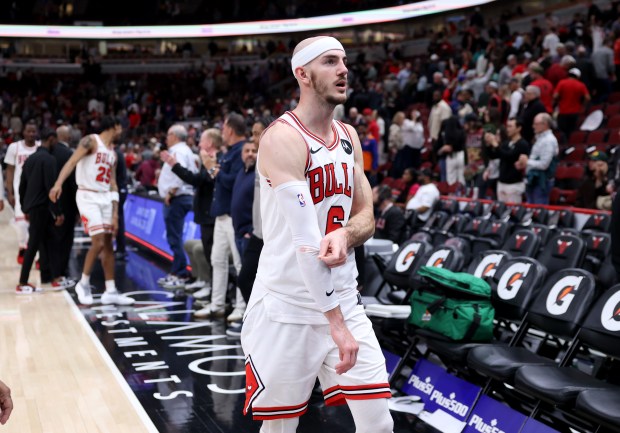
(95, 210)
(283, 361)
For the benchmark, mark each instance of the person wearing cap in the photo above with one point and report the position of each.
(545, 86)
(425, 197)
(571, 97)
(595, 183)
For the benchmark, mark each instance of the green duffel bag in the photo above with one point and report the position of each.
(454, 304)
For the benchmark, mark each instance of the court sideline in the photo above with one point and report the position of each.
(59, 381)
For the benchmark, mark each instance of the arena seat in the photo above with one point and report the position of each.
(448, 205)
(498, 210)
(562, 252)
(517, 213)
(597, 223)
(565, 218)
(576, 152)
(563, 197)
(540, 215)
(492, 237)
(542, 231)
(578, 137)
(486, 264)
(513, 287)
(453, 226)
(435, 222)
(474, 228)
(474, 208)
(600, 406)
(598, 136)
(522, 243)
(560, 385)
(598, 247)
(558, 310)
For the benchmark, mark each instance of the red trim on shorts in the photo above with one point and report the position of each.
(337, 395)
(20, 219)
(279, 412)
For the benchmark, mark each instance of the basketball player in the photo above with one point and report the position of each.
(305, 317)
(97, 198)
(16, 155)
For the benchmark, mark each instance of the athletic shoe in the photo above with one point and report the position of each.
(234, 330)
(20, 256)
(166, 279)
(202, 293)
(116, 298)
(174, 284)
(62, 284)
(84, 294)
(236, 315)
(198, 284)
(27, 289)
(208, 313)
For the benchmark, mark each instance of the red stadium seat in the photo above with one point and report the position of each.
(597, 136)
(614, 121)
(575, 153)
(614, 98)
(612, 110)
(564, 197)
(578, 137)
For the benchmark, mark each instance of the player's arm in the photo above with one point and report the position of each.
(10, 160)
(361, 225)
(283, 157)
(115, 198)
(85, 147)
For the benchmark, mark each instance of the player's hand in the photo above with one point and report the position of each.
(347, 347)
(333, 249)
(60, 220)
(6, 403)
(55, 193)
(11, 199)
(114, 225)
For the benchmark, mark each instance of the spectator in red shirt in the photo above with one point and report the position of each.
(373, 127)
(571, 96)
(147, 171)
(546, 88)
(522, 67)
(558, 71)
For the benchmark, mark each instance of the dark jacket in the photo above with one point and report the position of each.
(38, 176)
(527, 118)
(390, 225)
(508, 155)
(451, 133)
(121, 171)
(230, 165)
(62, 153)
(203, 195)
(242, 199)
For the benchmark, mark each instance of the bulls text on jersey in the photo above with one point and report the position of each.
(324, 182)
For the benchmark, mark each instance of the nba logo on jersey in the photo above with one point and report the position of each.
(302, 201)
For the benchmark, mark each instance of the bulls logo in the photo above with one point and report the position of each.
(346, 145)
(511, 281)
(519, 240)
(610, 316)
(475, 224)
(596, 241)
(562, 245)
(495, 227)
(598, 219)
(536, 230)
(253, 385)
(488, 265)
(438, 258)
(562, 294)
(406, 257)
(536, 212)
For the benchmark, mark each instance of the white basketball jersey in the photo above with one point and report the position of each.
(16, 155)
(329, 173)
(94, 171)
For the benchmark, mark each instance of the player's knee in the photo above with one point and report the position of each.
(379, 424)
(286, 425)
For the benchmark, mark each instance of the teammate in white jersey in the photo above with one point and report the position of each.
(97, 199)
(305, 318)
(15, 157)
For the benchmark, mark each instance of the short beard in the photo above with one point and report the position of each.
(321, 91)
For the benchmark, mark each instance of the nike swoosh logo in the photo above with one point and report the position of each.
(313, 151)
(330, 293)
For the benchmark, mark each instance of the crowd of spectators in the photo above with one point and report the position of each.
(489, 115)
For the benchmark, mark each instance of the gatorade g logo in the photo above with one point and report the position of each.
(346, 145)
(438, 259)
(406, 257)
(610, 316)
(511, 281)
(562, 245)
(598, 219)
(596, 241)
(488, 265)
(520, 239)
(562, 294)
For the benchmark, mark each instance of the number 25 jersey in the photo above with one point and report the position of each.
(94, 171)
(329, 174)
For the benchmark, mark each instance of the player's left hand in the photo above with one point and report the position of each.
(60, 220)
(333, 249)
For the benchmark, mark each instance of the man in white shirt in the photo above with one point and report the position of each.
(516, 96)
(426, 196)
(178, 198)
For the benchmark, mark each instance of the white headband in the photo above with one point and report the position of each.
(314, 50)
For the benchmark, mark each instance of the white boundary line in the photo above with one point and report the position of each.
(146, 420)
